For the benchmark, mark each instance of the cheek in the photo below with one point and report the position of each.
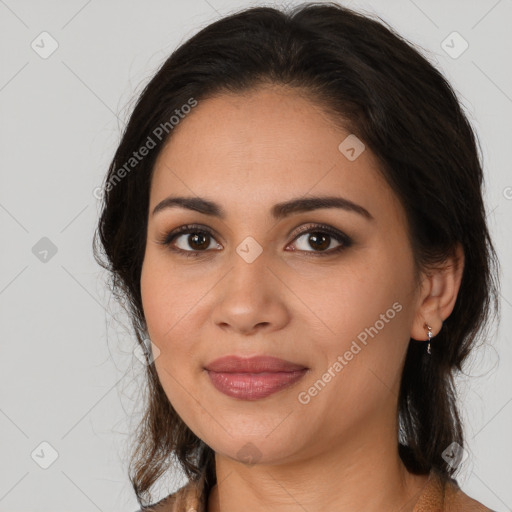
(165, 297)
(367, 315)
(169, 304)
(177, 366)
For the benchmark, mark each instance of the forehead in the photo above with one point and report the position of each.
(263, 147)
(267, 122)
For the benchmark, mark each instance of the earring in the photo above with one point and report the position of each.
(429, 333)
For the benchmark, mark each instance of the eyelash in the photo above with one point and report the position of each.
(344, 240)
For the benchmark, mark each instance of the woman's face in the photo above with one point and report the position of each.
(258, 285)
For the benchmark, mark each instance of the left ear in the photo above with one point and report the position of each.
(439, 290)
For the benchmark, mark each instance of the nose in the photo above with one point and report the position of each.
(251, 297)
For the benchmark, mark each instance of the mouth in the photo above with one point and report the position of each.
(253, 378)
(254, 386)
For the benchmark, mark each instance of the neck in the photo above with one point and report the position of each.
(366, 475)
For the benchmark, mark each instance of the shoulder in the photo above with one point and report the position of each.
(188, 498)
(456, 500)
(441, 495)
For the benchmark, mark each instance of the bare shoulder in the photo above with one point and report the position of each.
(458, 501)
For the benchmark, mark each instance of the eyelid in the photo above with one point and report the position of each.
(344, 240)
(187, 228)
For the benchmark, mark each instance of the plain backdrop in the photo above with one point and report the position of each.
(69, 381)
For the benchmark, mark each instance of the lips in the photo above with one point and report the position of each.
(253, 378)
(256, 364)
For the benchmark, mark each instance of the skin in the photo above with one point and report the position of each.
(339, 451)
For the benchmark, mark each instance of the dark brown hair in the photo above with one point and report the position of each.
(380, 88)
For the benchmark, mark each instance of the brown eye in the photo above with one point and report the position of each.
(320, 239)
(198, 241)
(193, 240)
(190, 240)
(317, 240)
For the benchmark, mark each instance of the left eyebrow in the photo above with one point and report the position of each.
(299, 205)
(278, 211)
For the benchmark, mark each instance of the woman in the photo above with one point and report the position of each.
(295, 218)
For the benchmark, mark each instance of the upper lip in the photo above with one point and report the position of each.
(255, 364)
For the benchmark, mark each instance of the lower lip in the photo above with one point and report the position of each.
(253, 386)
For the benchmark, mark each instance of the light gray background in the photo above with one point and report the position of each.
(68, 376)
